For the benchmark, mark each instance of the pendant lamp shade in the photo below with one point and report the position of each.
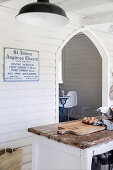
(42, 13)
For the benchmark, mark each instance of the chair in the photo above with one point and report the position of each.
(71, 102)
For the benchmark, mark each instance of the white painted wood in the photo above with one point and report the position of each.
(21, 107)
(27, 158)
(94, 37)
(28, 117)
(96, 9)
(99, 38)
(57, 89)
(27, 166)
(24, 105)
(3, 1)
(25, 142)
(17, 126)
(11, 111)
(81, 7)
(99, 19)
(27, 150)
(26, 93)
(14, 136)
(107, 45)
(77, 5)
(49, 154)
(17, 143)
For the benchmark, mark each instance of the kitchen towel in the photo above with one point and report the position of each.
(109, 113)
(104, 122)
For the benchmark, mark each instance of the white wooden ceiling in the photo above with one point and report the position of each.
(96, 11)
(84, 7)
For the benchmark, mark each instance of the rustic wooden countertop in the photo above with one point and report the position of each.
(84, 141)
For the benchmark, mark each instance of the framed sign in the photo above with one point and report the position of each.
(21, 65)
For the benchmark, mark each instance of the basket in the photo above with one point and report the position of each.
(11, 159)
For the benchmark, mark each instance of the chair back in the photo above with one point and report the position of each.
(72, 101)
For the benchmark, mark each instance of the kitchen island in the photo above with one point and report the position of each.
(53, 151)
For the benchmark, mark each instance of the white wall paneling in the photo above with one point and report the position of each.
(99, 19)
(26, 104)
(29, 104)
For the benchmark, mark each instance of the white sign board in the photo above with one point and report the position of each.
(21, 65)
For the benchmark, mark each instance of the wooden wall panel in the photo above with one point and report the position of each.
(26, 104)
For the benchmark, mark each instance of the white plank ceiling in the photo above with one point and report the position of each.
(84, 7)
(95, 11)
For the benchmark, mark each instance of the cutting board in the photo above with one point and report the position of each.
(78, 128)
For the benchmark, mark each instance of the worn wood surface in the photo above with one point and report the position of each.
(84, 141)
(78, 128)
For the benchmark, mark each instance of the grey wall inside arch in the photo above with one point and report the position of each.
(82, 72)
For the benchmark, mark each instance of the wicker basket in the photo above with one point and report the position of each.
(11, 159)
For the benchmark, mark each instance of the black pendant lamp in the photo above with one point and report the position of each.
(42, 13)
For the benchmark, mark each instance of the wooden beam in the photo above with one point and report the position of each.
(99, 19)
(81, 4)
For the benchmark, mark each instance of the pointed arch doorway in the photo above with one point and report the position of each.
(104, 55)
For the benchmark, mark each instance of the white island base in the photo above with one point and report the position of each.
(48, 154)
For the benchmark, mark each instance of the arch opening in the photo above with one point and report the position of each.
(102, 52)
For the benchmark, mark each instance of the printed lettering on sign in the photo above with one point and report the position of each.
(21, 65)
